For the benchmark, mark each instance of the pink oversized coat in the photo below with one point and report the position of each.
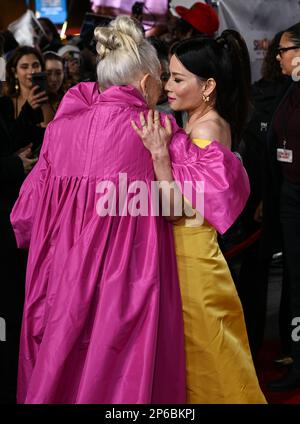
(102, 318)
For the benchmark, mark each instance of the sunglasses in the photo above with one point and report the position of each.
(281, 50)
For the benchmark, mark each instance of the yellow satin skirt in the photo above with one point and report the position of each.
(219, 365)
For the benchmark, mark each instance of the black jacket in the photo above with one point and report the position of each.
(266, 96)
(272, 179)
(15, 134)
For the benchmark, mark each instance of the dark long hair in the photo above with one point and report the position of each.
(271, 70)
(11, 66)
(226, 60)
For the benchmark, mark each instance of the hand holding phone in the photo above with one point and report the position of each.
(37, 98)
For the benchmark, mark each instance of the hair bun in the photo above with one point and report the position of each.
(122, 33)
(107, 41)
(127, 26)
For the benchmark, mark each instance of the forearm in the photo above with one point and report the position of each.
(170, 196)
(162, 166)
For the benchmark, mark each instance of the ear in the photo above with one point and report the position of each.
(209, 86)
(144, 84)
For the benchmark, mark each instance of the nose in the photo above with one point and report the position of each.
(167, 86)
(278, 57)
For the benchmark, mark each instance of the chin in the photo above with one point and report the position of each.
(173, 107)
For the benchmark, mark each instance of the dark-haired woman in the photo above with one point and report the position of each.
(210, 80)
(281, 207)
(20, 134)
(24, 62)
(54, 66)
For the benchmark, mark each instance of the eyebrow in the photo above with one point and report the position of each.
(32, 63)
(177, 73)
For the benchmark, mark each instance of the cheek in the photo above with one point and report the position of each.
(21, 73)
(287, 66)
(182, 91)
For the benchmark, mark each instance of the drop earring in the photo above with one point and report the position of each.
(17, 87)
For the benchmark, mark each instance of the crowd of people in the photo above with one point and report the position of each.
(106, 301)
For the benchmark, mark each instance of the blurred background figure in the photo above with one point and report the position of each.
(250, 267)
(162, 53)
(9, 43)
(24, 62)
(16, 161)
(71, 58)
(281, 202)
(54, 41)
(200, 19)
(54, 67)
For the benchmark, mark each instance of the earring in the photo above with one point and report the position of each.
(17, 87)
(205, 98)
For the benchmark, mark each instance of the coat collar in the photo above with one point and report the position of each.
(126, 94)
(86, 94)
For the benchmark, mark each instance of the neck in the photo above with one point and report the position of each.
(23, 95)
(199, 112)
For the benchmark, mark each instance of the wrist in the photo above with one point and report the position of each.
(161, 155)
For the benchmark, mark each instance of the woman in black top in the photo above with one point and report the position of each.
(24, 62)
(21, 116)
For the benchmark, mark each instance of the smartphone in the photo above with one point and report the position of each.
(40, 79)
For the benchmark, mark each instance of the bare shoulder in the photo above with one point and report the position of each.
(212, 129)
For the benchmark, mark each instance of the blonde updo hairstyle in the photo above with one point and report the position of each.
(124, 54)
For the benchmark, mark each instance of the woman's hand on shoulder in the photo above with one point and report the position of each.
(154, 135)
